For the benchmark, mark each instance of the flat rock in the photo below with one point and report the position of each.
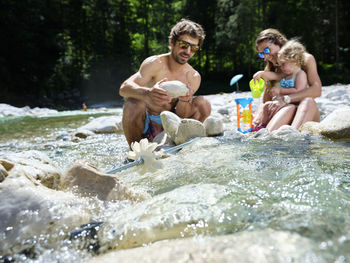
(104, 124)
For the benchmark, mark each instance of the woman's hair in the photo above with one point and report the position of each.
(187, 27)
(275, 37)
(293, 51)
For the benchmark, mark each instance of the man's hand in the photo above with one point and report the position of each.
(158, 95)
(188, 97)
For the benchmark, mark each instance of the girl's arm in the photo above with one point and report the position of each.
(267, 75)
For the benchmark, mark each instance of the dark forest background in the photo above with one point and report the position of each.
(61, 53)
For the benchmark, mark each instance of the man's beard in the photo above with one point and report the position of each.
(177, 59)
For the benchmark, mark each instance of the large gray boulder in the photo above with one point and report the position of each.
(335, 126)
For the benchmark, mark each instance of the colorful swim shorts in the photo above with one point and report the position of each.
(153, 126)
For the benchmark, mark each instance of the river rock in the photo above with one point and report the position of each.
(188, 129)
(29, 209)
(8, 110)
(263, 246)
(104, 124)
(174, 88)
(89, 181)
(164, 140)
(83, 133)
(5, 167)
(213, 126)
(170, 122)
(335, 126)
(3, 173)
(311, 126)
(285, 132)
(34, 164)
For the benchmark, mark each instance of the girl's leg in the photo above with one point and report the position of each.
(307, 111)
(283, 117)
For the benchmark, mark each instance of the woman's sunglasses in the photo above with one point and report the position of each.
(265, 51)
(184, 45)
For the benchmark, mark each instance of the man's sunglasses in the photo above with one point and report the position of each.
(265, 51)
(184, 45)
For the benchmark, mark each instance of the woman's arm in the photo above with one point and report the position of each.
(313, 79)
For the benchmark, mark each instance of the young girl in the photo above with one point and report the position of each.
(292, 78)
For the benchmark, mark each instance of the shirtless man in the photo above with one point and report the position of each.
(146, 100)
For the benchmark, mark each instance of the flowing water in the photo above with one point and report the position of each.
(215, 186)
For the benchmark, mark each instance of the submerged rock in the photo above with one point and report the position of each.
(89, 181)
(264, 246)
(29, 210)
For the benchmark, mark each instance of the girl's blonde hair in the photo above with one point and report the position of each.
(293, 51)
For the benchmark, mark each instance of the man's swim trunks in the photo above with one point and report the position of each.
(153, 126)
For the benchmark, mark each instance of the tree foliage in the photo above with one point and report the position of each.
(63, 52)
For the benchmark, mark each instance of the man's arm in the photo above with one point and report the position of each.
(184, 108)
(137, 85)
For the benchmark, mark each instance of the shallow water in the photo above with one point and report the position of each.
(215, 186)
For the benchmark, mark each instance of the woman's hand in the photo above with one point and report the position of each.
(275, 92)
(275, 105)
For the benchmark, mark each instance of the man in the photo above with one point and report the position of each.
(146, 99)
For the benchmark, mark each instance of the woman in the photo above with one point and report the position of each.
(283, 108)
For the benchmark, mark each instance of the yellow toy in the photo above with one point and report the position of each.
(244, 113)
(257, 87)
